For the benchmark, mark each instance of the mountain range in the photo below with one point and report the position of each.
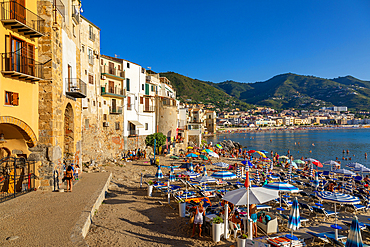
(280, 92)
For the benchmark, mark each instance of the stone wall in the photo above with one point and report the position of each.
(136, 142)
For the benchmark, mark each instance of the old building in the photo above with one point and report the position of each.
(62, 89)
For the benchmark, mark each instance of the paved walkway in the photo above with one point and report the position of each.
(49, 218)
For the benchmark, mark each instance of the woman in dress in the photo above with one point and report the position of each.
(198, 219)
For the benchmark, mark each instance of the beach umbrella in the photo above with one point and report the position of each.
(190, 174)
(289, 177)
(299, 161)
(283, 157)
(238, 172)
(251, 151)
(361, 169)
(219, 146)
(262, 154)
(331, 163)
(266, 170)
(223, 175)
(250, 164)
(337, 198)
(281, 187)
(191, 168)
(159, 173)
(316, 180)
(348, 187)
(264, 151)
(257, 177)
(221, 164)
(354, 238)
(257, 195)
(208, 150)
(190, 147)
(172, 175)
(213, 154)
(192, 155)
(205, 179)
(353, 164)
(344, 172)
(310, 160)
(321, 185)
(294, 221)
(203, 157)
(311, 170)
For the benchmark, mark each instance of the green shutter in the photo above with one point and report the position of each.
(128, 84)
(146, 88)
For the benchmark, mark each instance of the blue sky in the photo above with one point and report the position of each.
(239, 40)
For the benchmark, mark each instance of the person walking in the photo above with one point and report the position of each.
(69, 178)
(198, 219)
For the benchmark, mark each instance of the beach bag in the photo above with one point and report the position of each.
(191, 221)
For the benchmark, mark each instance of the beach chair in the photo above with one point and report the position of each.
(304, 194)
(313, 197)
(355, 207)
(305, 206)
(324, 212)
(326, 174)
(234, 228)
(335, 242)
(319, 237)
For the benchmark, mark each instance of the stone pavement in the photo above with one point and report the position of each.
(52, 218)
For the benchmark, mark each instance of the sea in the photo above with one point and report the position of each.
(320, 144)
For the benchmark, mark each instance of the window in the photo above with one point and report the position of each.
(11, 98)
(91, 79)
(117, 126)
(90, 55)
(128, 84)
(91, 33)
(105, 102)
(152, 88)
(142, 87)
(128, 65)
(83, 48)
(101, 62)
(141, 100)
(105, 117)
(142, 70)
(94, 103)
(119, 67)
(146, 126)
(86, 123)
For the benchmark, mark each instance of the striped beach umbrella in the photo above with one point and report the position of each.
(353, 164)
(321, 186)
(289, 177)
(190, 174)
(348, 188)
(159, 173)
(294, 222)
(238, 172)
(281, 187)
(311, 170)
(337, 198)
(221, 164)
(257, 177)
(172, 175)
(354, 235)
(316, 180)
(223, 175)
(204, 171)
(192, 155)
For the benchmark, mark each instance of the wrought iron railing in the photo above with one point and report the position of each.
(75, 85)
(113, 71)
(112, 90)
(133, 132)
(149, 108)
(12, 10)
(18, 62)
(115, 110)
(16, 177)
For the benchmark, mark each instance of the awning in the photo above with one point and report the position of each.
(136, 123)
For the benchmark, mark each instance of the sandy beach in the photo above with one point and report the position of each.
(129, 218)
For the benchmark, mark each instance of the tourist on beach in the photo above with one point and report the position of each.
(366, 179)
(69, 177)
(253, 215)
(198, 219)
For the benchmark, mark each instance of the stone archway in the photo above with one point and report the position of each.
(68, 131)
(24, 129)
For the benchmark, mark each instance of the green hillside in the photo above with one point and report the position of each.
(197, 91)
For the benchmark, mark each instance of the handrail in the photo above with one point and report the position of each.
(75, 85)
(112, 71)
(12, 10)
(18, 62)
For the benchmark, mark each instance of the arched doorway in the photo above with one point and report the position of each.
(68, 132)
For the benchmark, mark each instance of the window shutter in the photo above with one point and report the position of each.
(15, 100)
(141, 100)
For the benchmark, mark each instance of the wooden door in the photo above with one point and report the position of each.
(146, 104)
(128, 103)
(17, 49)
(111, 86)
(17, 10)
(114, 105)
(111, 68)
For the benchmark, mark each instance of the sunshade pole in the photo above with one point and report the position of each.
(336, 222)
(226, 220)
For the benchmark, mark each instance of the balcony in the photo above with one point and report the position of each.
(17, 65)
(148, 108)
(112, 92)
(75, 14)
(17, 17)
(75, 88)
(133, 133)
(112, 72)
(115, 110)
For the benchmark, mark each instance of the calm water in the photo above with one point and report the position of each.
(328, 144)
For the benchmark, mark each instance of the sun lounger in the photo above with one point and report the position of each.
(304, 194)
(305, 206)
(313, 197)
(320, 237)
(263, 207)
(324, 212)
(355, 207)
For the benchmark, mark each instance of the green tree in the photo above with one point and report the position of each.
(159, 137)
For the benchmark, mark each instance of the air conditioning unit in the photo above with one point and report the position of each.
(103, 77)
(105, 124)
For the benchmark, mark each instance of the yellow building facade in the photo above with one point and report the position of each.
(21, 72)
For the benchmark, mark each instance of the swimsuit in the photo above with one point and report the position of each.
(198, 219)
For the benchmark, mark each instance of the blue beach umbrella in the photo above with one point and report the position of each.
(190, 174)
(238, 172)
(311, 170)
(361, 169)
(337, 198)
(294, 222)
(289, 177)
(344, 172)
(159, 173)
(281, 187)
(316, 180)
(321, 185)
(192, 155)
(354, 164)
(172, 175)
(354, 235)
(223, 175)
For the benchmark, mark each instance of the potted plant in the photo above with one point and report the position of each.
(182, 208)
(150, 188)
(241, 240)
(217, 228)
